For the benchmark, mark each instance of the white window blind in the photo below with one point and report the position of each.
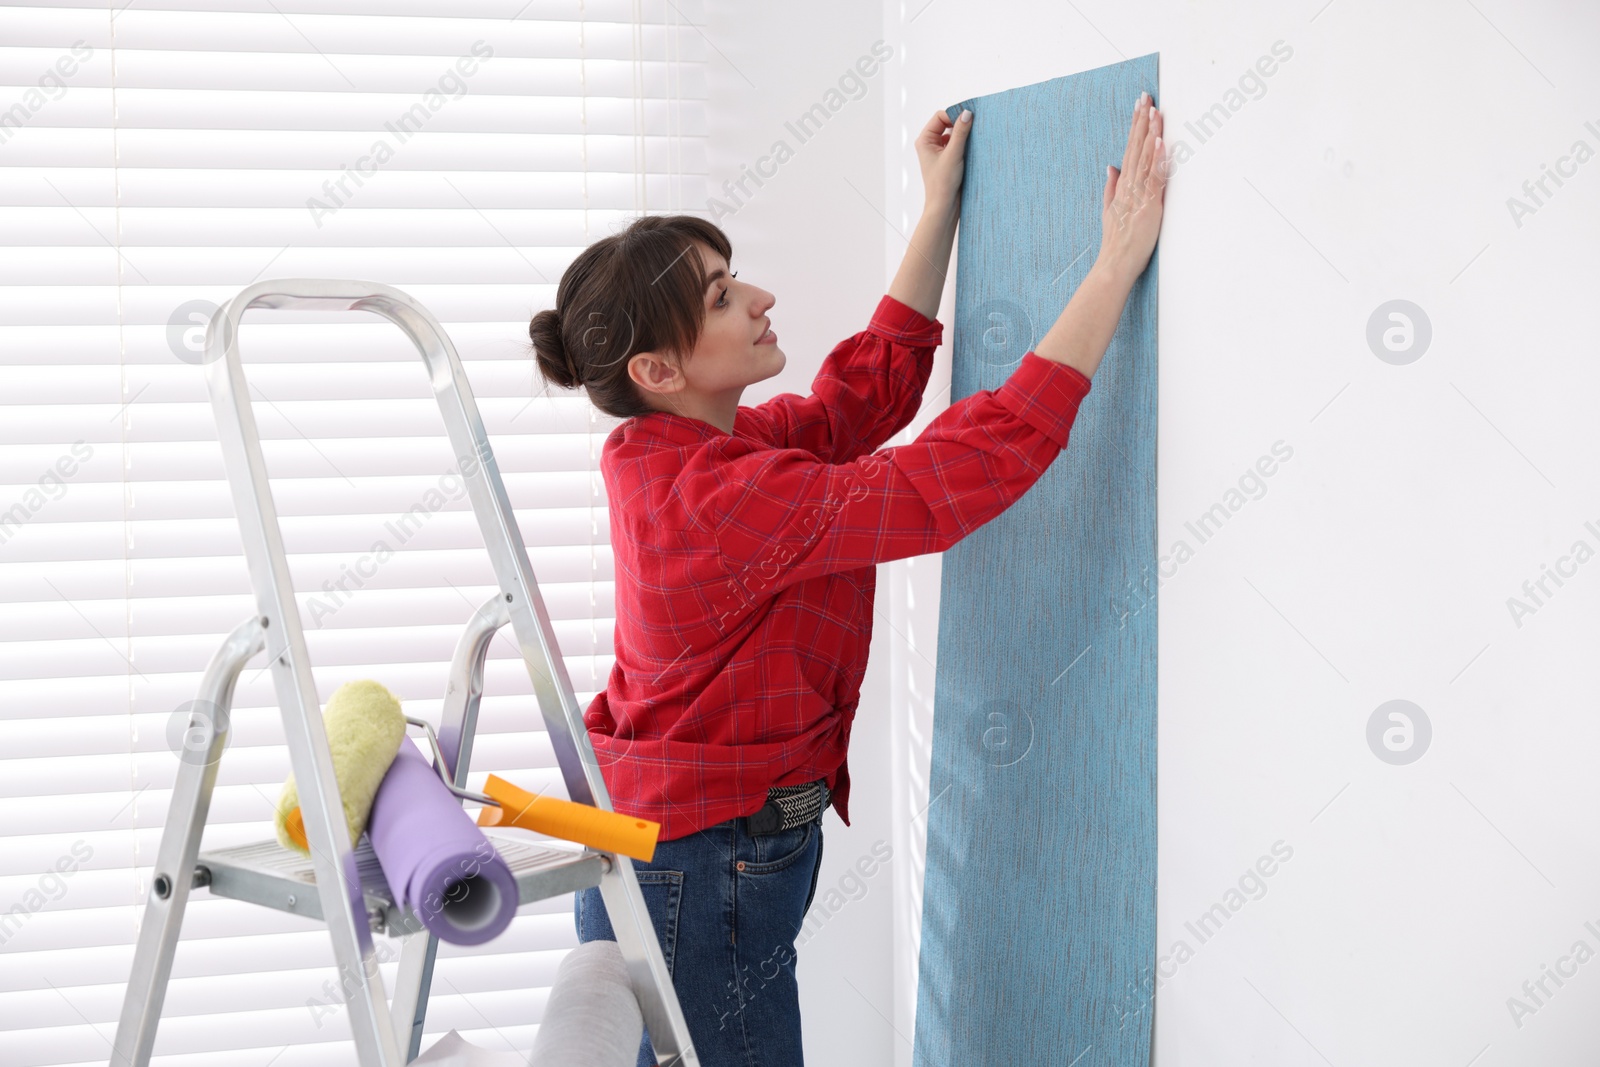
(155, 158)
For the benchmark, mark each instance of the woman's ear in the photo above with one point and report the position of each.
(654, 374)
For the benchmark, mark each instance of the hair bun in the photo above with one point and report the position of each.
(554, 362)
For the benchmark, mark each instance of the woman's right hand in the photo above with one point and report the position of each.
(1130, 216)
(1130, 220)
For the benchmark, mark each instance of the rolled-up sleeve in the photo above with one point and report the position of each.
(777, 516)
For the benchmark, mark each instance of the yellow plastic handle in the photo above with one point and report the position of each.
(607, 831)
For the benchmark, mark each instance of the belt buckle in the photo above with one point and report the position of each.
(770, 818)
(767, 820)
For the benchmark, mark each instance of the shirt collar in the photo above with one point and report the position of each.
(671, 427)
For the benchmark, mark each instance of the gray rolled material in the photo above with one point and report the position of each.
(592, 1018)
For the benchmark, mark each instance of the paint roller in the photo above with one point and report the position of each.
(365, 727)
(437, 863)
(440, 864)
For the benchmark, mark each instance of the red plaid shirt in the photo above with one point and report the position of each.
(745, 563)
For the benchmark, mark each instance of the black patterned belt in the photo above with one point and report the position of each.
(789, 806)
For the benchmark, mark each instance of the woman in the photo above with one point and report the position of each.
(746, 540)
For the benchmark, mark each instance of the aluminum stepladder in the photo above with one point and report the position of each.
(341, 883)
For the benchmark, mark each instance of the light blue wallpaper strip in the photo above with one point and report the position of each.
(1038, 930)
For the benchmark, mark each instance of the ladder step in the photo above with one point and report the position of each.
(268, 874)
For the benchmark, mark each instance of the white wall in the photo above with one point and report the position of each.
(1377, 564)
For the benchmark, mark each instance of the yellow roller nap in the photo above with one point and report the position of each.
(608, 831)
(365, 728)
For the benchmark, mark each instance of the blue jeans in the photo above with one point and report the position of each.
(727, 905)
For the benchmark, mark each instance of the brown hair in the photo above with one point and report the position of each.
(635, 291)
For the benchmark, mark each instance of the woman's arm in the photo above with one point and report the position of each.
(920, 281)
(941, 152)
(1130, 219)
(776, 517)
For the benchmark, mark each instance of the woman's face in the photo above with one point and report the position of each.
(730, 353)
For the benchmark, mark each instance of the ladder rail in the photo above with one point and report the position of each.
(385, 1035)
(173, 875)
(458, 720)
(338, 880)
(536, 635)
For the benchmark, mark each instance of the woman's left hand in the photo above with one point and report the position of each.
(942, 152)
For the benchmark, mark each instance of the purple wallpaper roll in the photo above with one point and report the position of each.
(437, 861)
